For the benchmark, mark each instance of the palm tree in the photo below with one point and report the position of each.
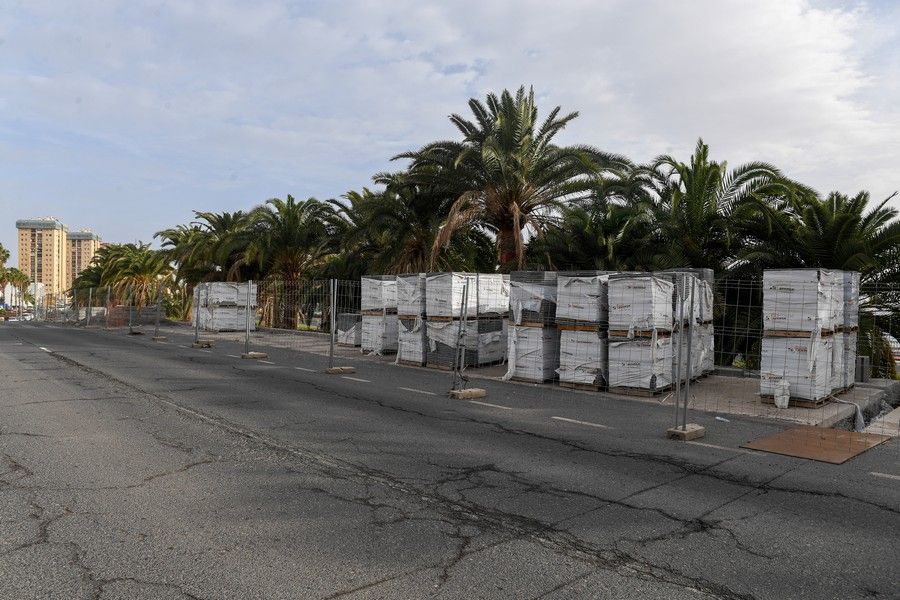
(507, 176)
(4, 256)
(20, 281)
(208, 248)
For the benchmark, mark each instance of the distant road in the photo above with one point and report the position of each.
(134, 469)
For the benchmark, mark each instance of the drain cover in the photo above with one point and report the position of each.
(833, 446)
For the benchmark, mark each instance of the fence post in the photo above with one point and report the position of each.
(87, 319)
(158, 310)
(459, 357)
(108, 300)
(247, 333)
(679, 300)
(689, 366)
(197, 313)
(332, 321)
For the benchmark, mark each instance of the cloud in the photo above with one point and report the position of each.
(124, 116)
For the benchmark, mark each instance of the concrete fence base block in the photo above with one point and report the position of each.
(202, 344)
(159, 338)
(468, 394)
(340, 370)
(691, 431)
(254, 355)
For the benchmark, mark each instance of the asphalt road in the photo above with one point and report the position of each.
(131, 469)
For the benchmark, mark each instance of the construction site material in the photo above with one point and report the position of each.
(641, 363)
(851, 299)
(467, 394)
(411, 341)
(379, 334)
(802, 299)
(349, 329)
(444, 294)
(640, 302)
(834, 446)
(491, 341)
(690, 431)
(532, 297)
(254, 355)
(411, 294)
(222, 306)
(582, 297)
(340, 370)
(379, 293)
(688, 291)
(533, 353)
(583, 358)
(493, 295)
(443, 340)
(805, 363)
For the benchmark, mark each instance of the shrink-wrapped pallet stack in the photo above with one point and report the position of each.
(349, 329)
(803, 314)
(850, 329)
(695, 331)
(223, 306)
(411, 339)
(480, 333)
(379, 314)
(533, 345)
(582, 313)
(640, 333)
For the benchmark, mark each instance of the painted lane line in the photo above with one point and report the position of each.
(266, 362)
(355, 379)
(207, 351)
(577, 422)
(884, 475)
(305, 369)
(705, 445)
(489, 404)
(417, 391)
(44, 349)
(232, 356)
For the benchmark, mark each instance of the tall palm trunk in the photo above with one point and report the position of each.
(507, 252)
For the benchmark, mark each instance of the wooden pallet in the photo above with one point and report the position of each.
(578, 326)
(523, 380)
(376, 312)
(788, 333)
(584, 387)
(642, 392)
(410, 363)
(643, 334)
(537, 324)
(410, 317)
(845, 329)
(796, 402)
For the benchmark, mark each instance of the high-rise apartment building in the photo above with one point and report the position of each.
(43, 253)
(82, 246)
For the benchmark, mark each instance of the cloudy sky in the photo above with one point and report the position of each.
(125, 116)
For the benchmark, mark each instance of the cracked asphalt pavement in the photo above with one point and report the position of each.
(131, 469)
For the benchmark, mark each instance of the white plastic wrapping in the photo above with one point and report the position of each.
(379, 293)
(444, 294)
(640, 303)
(706, 302)
(379, 334)
(491, 347)
(802, 299)
(493, 294)
(533, 353)
(583, 357)
(224, 293)
(582, 299)
(644, 363)
(411, 341)
(851, 299)
(411, 294)
(850, 340)
(837, 363)
(805, 363)
(351, 336)
(528, 297)
(223, 318)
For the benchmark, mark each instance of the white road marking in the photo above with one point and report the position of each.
(207, 351)
(705, 445)
(266, 362)
(417, 391)
(305, 369)
(885, 475)
(232, 356)
(355, 379)
(44, 349)
(577, 422)
(491, 405)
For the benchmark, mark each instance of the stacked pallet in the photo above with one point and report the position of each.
(802, 309)
(582, 316)
(640, 333)
(533, 345)
(411, 339)
(696, 327)
(479, 334)
(849, 331)
(222, 306)
(379, 314)
(349, 329)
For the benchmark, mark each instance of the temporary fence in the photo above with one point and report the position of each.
(804, 346)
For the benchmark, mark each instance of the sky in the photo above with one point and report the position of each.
(124, 117)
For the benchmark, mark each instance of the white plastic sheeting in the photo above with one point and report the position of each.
(530, 297)
(351, 335)
(223, 318)
(493, 294)
(850, 339)
(379, 293)
(533, 353)
(583, 357)
(411, 340)
(582, 298)
(444, 294)
(851, 299)
(644, 363)
(802, 299)
(411, 294)
(805, 363)
(640, 303)
(379, 334)
(223, 293)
